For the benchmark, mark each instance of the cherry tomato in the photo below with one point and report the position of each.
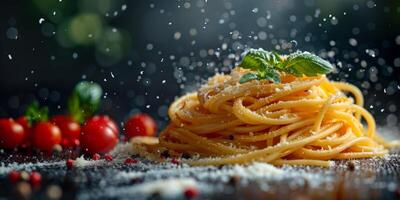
(140, 125)
(104, 119)
(11, 134)
(24, 122)
(70, 130)
(45, 136)
(27, 128)
(98, 136)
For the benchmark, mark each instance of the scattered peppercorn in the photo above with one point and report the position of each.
(186, 155)
(165, 154)
(234, 180)
(96, 156)
(136, 180)
(35, 179)
(351, 166)
(129, 161)
(175, 161)
(191, 192)
(109, 158)
(70, 163)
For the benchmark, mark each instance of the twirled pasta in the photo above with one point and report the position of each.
(302, 120)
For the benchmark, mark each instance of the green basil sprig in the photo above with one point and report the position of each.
(84, 100)
(266, 65)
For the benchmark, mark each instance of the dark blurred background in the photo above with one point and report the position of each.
(145, 53)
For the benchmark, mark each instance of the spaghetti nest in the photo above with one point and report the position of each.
(300, 121)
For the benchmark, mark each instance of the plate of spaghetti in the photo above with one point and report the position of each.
(277, 109)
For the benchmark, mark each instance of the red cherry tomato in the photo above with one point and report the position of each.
(28, 132)
(106, 120)
(24, 122)
(140, 125)
(45, 136)
(11, 134)
(70, 130)
(98, 136)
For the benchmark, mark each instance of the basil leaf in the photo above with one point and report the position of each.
(248, 77)
(89, 92)
(259, 58)
(272, 75)
(84, 100)
(251, 61)
(267, 63)
(305, 63)
(270, 57)
(262, 61)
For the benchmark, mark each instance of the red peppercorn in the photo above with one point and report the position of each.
(35, 178)
(109, 158)
(96, 156)
(70, 163)
(14, 176)
(191, 192)
(129, 161)
(175, 161)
